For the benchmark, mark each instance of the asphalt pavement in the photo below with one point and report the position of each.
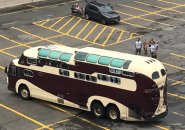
(36, 24)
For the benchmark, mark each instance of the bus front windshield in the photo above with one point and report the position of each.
(105, 9)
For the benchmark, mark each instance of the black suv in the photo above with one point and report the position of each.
(101, 12)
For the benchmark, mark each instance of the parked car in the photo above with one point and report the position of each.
(101, 12)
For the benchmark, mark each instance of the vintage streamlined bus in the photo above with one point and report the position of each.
(106, 83)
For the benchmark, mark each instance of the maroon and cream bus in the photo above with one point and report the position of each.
(107, 83)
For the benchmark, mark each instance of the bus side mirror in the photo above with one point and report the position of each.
(6, 70)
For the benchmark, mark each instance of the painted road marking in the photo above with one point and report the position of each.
(83, 29)
(28, 43)
(122, 21)
(45, 22)
(177, 81)
(50, 125)
(65, 24)
(8, 54)
(108, 37)
(181, 56)
(123, 41)
(62, 121)
(151, 5)
(175, 95)
(156, 13)
(161, 127)
(56, 22)
(39, 23)
(168, 2)
(26, 117)
(69, 35)
(99, 34)
(90, 32)
(119, 38)
(83, 119)
(14, 41)
(34, 35)
(74, 26)
(178, 114)
(142, 18)
(33, 9)
(2, 67)
(173, 66)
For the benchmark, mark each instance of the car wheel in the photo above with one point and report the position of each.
(113, 113)
(87, 16)
(103, 21)
(98, 110)
(24, 92)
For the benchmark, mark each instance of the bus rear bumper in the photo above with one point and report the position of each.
(158, 117)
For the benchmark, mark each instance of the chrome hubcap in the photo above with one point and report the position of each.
(113, 114)
(24, 93)
(97, 111)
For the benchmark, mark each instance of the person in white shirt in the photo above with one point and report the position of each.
(153, 47)
(138, 46)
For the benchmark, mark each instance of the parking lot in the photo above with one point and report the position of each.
(37, 25)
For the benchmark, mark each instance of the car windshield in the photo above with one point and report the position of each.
(105, 9)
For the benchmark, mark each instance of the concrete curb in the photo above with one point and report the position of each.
(11, 3)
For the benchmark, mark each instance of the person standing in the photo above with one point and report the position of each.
(145, 47)
(138, 46)
(153, 49)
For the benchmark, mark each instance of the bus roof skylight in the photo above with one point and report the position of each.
(65, 57)
(55, 54)
(117, 63)
(44, 52)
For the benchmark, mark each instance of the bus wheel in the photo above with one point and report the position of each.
(113, 113)
(24, 92)
(98, 110)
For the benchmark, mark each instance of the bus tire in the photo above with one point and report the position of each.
(113, 113)
(24, 92)
(98, 110)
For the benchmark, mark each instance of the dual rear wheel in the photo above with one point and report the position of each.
(112, 112)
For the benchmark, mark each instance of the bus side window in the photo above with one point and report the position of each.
(91, 78)
(53, 63)
(79, 75)
(115, 80)
(32, 61)
(28, 73)
(103, 77)
(12, 70)
(126, 73)
(64, 72)
(64, 66)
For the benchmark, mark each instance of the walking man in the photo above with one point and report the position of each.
(138, 46)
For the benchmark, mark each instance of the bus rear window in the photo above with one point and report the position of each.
(155, 75)
(163, 72)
